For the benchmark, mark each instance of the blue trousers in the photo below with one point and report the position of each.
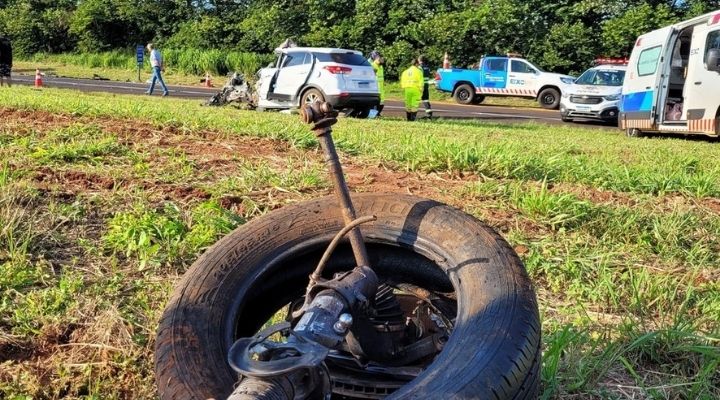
(157, 76)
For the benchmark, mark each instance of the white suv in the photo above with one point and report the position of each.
(594, 95)
(303, 75)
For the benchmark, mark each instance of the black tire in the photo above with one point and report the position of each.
(493, 352)
(549, 98)
(478, 98)
(361, 113)
(310, 96)
(633, 132)
(464, 94)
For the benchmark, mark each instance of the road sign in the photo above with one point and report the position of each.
(140, 54)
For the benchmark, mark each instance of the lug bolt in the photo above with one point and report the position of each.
(343, 323)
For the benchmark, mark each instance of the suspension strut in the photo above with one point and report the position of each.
(295, 370)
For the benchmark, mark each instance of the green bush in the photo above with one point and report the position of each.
(187, 61)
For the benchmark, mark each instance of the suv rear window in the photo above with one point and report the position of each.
(342, 58)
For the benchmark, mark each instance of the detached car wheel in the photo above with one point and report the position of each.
(468, 275)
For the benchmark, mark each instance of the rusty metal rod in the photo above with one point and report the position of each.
(328, 252)
(342, 193)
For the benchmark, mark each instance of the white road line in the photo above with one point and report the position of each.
(486, 114)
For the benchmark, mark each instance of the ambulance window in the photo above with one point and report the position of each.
(496, 64)
(713, 42)
(648, 61)
(521, 67)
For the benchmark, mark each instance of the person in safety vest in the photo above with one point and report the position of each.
(427, 77)
(411, 80)
(378, 65)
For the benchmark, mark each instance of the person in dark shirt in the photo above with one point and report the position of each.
(5, 61)
(427, 77)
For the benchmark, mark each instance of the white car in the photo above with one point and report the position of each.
(594, 95)
(303, 75)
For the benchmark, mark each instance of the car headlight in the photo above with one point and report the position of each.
(612, 97)
(565, 95)
(567, 81)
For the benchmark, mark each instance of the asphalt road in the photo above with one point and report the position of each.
(392, 107)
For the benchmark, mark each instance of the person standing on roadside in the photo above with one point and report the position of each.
(411, 81)
(378, 65)
(427, 77)
(6, 60)
(156, 62)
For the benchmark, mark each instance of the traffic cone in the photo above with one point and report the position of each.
(446, 61)
(208, 80)
(38, 79)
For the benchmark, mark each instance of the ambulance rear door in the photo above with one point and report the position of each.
(701, 106)
(641, 89)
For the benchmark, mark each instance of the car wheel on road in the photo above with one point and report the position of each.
(549, 98)
(312, 96)
(478, 98)
(633, 132)
(464, 94)
(477, 286)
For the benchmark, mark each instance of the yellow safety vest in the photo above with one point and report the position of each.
(412, 78)
(379, 71)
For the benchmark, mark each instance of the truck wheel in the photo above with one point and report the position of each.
(478, 98)
(311, 96)
(241, 281)
(549, 98)
(464, 94)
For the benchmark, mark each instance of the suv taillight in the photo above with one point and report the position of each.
(335, 69)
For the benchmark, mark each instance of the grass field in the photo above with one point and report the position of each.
(105, 200)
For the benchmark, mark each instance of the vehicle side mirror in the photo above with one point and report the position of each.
(713, 60)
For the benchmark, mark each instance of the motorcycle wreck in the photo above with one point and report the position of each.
(363, 296)
(237, 89)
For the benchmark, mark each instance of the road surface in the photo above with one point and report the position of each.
(392, 107)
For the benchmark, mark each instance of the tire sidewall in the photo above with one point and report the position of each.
(464, 94)
(307, 92)
(497, 310)
(544, 98)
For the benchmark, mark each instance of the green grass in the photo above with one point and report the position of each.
(99, 217)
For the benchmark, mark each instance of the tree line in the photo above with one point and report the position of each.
(558, 35)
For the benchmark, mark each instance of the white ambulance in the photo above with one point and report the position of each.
(672, 84)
